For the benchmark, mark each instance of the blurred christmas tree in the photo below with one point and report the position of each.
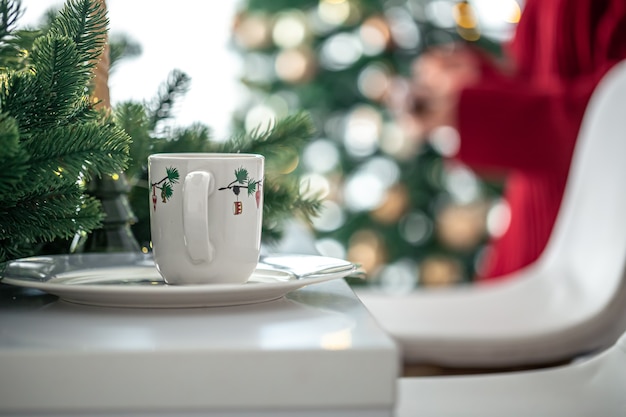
(52, 139)
(393, 203)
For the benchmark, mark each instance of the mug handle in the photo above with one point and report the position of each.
(197, 188)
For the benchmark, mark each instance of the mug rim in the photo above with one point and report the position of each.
(205, 155)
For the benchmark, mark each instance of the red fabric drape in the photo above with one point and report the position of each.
(526, 124)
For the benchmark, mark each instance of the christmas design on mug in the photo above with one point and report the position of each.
(165, 185)
(242, 181)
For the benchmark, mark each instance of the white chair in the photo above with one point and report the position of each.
(571, 301)
(594, 387)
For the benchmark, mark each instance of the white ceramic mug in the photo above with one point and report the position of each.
(205, 216)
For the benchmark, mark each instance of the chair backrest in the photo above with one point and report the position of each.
(588, 242)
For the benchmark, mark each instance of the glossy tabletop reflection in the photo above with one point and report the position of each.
(315, 351)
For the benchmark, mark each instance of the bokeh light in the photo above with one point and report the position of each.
(394, 205)
(252, 30)
(258, 68)
(261, 117)
(399, 277)
(497, 12)
(497, 17)
(461, 226)
(295, 65)
(366, 187)
(334, 12)
(313, 184)
(331, 217)
(366, 248)
(375, 35)
(363, 191)
(464, 15)
(437, 271)
(498, 218)
(290, 29)
(466, 21)
(462, 183)
(396, 140)
(334, 125)
(445, 140)
(330, 247)
(321, 156)
(373, 81)
(404, 30)
(441, 13)
(382, 167)
(341, 51)
(279, 104)
(416, 227)
(362, 131)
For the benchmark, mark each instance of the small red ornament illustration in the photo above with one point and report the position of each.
(165, 185)
(249, 184)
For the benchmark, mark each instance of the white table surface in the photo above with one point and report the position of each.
(316, 352)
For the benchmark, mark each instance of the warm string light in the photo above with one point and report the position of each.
(290, 29)
(367, 249)
(375, 35)
(295, 66)
(252, 30)
(466, 21)
(462, 227)
(336, 12)
(437, 271)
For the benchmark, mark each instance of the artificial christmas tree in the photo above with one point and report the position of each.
(115, 234)
(392, 202)
(104, 215)
(53, 140)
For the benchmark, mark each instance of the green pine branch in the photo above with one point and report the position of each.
(121, 47)
(292, 132)
(50, 215)
(284, 197)
(61, 65)
(13, 158)
(13, 42)
(194, 138)
(10, 11)
(92, 150)
(176, 86)
(9, 137)
(280, 144)
(133, 119)
(85, 23)
(51, 139)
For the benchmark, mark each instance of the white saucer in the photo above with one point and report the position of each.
(135, 282)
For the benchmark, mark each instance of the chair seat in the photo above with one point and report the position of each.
(593, 387)
(572, 300)
(513, 323)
